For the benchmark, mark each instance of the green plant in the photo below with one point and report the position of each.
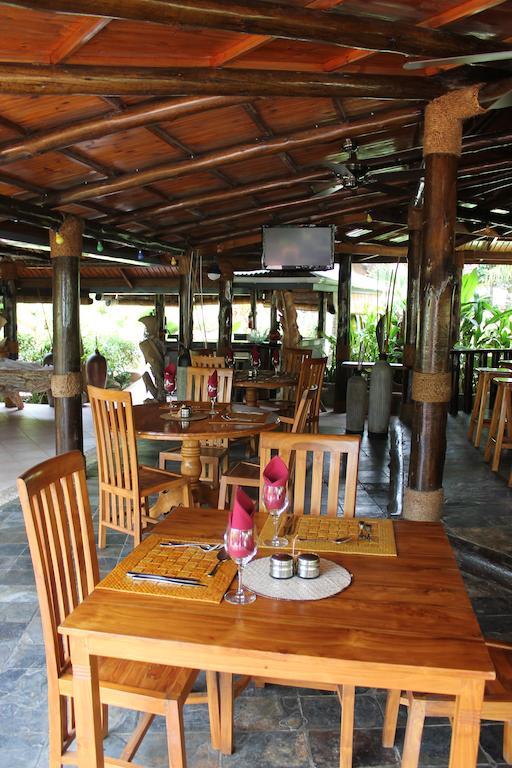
(365, 333)
(122, 355)
(481, 323)
(33, 349)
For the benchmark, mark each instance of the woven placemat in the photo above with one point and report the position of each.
(333, 579)
(312, 533)
(179, 417)
(190, 562)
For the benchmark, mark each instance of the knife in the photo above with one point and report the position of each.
(181, 580)
(204, 545)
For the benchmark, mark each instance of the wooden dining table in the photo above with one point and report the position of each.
(264, 380)
(229, 421)
(405, 622)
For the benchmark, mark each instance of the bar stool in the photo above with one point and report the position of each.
(500, 431)
(477, 418)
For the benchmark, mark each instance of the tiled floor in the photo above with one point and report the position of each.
(274, 727)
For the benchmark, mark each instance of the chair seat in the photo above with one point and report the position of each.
(121, 682)
(244, 471)
(152, 480)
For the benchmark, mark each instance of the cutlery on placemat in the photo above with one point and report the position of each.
(179, 580)
(327, 541)
(222, 555)
(204, 546)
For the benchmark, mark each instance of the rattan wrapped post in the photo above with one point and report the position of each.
(431, 383)
(225, 312)
(415, 224)
(66, 383)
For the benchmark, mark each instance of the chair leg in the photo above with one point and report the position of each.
(481, 410)
(226, 712)
(413, 734)
(104, 720)
(347, 695)
(58, 727)
(137, 736)
(499, 435)
(223, 488)
(507, 741)
(212, 688)
(391, 718)
(175, 735)
(476, 407)
(494, 424)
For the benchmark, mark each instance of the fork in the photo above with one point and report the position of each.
(198, 545)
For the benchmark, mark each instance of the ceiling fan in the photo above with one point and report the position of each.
(348, 175)
(477, 58)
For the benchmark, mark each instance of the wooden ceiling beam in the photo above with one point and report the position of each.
(456, 13)
(276, 20)
(74, 79)
(79, 35)
(144, 114)
(211, 160)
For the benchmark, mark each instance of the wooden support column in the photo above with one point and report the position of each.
(254, 308)
(225, 310)
(8, 274)
(415, 221)
(431, 385)
(65, 251)
(160, 314)
(273, 310)
(186, 304)
(342, 333)
(322, 304)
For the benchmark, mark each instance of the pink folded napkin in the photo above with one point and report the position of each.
(170, 378)
(275, 480)
(213, 381)
(275, 357)
(255, 355)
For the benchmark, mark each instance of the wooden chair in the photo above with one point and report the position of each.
(125, 485)
(497, 706)
(318, 448)
(312, 375)
(214, 453)
(58, 521)
(500, 431)
(477, 420)
(208, 361)
(246, 473)
(292, 359)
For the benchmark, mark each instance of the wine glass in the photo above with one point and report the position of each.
(275, 360)
(275, 501)
(241, 547)
(212, 394)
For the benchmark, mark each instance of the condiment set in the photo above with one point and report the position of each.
(284, 566)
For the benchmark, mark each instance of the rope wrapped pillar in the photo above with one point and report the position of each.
(415, 225)
(10, 313)
(66, 382)
(342, 333)
(431, 382)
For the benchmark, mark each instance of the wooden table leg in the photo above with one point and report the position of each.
(86, 691)
(251, 396)
(466, 725)
(191, 463)
(226, 712)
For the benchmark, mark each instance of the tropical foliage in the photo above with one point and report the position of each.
(482, 324)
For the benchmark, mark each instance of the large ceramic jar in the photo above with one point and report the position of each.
(96, 369)
(357, 400)
(379, 408)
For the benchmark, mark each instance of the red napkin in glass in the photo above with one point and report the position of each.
(229, 357)
(255, 355)
(275, 476)
(240, 516)
(170, 378)
(275, 357)
(213, 381)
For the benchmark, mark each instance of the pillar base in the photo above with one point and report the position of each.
(423, 505)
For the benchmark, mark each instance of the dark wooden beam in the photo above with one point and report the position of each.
(147, 113)
(342, 332)
(415, 222)
(28, 79)
(277, 21)
(211, 160)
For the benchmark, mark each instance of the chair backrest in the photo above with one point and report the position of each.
(58, 522)
(302, 411)
(208, 361)
(118, 464)
(197, 384)
(293, 357)
(312, 375)
(323, 453)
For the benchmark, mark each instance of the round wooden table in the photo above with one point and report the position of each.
(264, 380)
(230, 421)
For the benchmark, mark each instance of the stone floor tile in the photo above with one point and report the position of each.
(266, 749)
(435, 747)
(368, 750)
(267, 713)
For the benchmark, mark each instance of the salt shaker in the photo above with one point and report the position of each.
(281, 566)
(308, 565)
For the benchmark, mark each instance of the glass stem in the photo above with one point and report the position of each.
(276, 527)
(240, 590)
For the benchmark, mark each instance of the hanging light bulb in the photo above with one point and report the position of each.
(140, 256)
(214, 272)
(99, 246)
(173, 261)
(58, 238)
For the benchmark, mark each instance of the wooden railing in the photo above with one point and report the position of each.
(464, 362)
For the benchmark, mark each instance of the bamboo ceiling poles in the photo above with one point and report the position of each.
(66, 382)
(157, 81)
(431, 385)
(277, 21)
(367, 125)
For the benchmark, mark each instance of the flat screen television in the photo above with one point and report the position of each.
(298, 248)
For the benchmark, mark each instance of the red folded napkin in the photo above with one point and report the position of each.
(275, 480)
(255, 355)
(275, 357)
(170, 378)
(170, 370)
(241, 515)
(229, 357)
(213, 381)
